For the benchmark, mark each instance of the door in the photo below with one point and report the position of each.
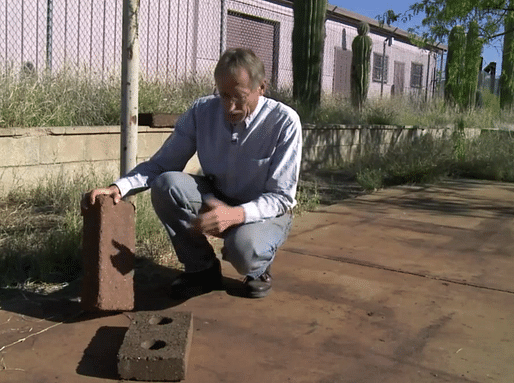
(342, 67)
(399, 78)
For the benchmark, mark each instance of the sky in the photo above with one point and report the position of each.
(372, 8)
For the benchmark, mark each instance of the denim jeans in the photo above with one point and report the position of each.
(177, 199)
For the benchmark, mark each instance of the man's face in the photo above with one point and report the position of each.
(237, 94)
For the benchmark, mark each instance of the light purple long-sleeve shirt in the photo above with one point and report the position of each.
(256, 163)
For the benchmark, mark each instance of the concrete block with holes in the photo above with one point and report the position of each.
(156, 346)
(108, 253)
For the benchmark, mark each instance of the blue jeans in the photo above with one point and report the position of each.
(177, 199)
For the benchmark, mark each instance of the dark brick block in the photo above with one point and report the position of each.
(108, 253)
(156, 347)
(158, 120)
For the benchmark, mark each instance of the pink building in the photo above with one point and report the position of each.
(181, 38)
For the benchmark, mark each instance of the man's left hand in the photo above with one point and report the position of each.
(217, 217)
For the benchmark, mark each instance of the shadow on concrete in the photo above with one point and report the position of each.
(454, 197)
(100, 359)
(150, 294)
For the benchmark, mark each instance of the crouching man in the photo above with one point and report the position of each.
(249, 148)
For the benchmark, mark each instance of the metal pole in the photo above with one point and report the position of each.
(49, 28)
(223, 27)
(129, 86)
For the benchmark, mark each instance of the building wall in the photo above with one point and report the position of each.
(178, 38)
(399, 51)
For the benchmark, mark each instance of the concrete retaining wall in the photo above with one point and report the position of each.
(29, 154)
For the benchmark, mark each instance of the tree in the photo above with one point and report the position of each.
(442, 15)
(308, 39)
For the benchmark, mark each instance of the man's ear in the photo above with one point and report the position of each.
(263, 87)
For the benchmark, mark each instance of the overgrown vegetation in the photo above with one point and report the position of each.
(427, 159)
(41, 228)
(75, 99)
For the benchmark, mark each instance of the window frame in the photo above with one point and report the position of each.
(376, 73)
(416, 79)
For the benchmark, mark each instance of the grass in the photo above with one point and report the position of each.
(427, 159)
(40, 228)
(76, 98)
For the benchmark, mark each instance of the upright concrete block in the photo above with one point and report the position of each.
(108, 252)
(156, 347)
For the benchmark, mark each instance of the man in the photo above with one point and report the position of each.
(249, 148)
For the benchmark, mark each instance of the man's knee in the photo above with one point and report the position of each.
(246, 251)
(165, 181)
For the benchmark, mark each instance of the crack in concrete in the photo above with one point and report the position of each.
(352, 261)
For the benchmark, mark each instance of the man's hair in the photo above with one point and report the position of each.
(235, 58)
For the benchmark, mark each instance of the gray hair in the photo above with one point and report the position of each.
(235, 58)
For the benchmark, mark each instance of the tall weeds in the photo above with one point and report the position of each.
(75, 98)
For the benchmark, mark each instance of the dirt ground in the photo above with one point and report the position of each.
(408, 284)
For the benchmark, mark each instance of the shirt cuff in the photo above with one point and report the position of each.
(251, 212)
(124, 185)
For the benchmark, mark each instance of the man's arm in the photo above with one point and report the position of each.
(173, 155)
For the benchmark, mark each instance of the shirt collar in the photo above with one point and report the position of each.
(248, 120)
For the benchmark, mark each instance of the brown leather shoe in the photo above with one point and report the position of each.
(258, 287)
(188, 285)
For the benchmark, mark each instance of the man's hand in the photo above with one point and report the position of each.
(217, 217)
(89, 199)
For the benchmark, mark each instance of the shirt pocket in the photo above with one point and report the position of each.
(255, 172)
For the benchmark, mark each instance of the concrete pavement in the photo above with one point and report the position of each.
(408, 284)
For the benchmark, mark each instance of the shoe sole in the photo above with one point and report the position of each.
(258, 294)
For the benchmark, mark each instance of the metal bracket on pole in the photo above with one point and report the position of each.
(389, 41)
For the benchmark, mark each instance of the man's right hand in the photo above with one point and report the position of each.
(89, 198)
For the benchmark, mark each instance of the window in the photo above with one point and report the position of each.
(416, 75)
(377, 67)
(260, 35)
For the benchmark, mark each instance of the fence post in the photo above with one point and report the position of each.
(49, 37)
(223, 26)
(129, 86)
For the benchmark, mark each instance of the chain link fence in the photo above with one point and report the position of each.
(178, 38)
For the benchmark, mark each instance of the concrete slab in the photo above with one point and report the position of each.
(457, 232)
(385, 316)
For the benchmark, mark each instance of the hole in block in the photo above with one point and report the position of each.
(153, 344)
(160, 320)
